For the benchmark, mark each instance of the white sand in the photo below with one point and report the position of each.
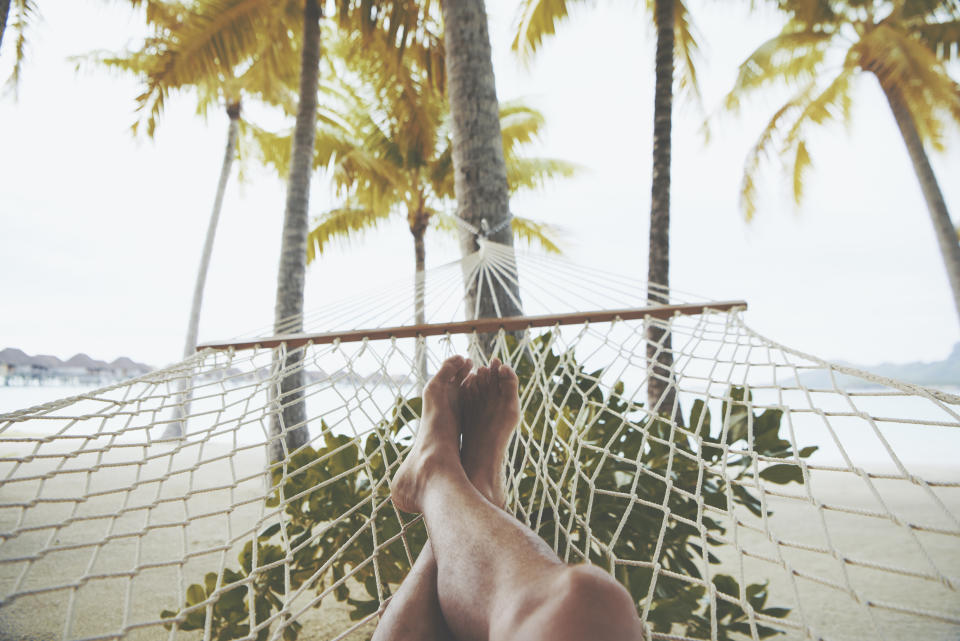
(125, 526)
(830, 611)
(135, 520)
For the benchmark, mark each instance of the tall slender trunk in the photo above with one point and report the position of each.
(182, 410)
(480, 173)
(419, 298)
(942, 225)
(4, 12)
(290, 418)
(661, 395)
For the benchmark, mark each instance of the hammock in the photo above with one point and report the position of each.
(770, 494)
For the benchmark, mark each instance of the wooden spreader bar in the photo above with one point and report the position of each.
(480, 326)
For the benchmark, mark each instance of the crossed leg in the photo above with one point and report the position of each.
(495, 579)
(414, 612)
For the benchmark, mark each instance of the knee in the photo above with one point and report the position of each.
(590, 592)
(584, 603)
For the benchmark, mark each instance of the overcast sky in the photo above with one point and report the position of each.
(100, 233)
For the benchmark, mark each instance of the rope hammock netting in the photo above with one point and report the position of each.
(777, 496)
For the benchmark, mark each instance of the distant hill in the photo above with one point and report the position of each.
(82, 360)
(47, 361)
(14, 356)
(934, 374)
(15, 363)
(945, 372)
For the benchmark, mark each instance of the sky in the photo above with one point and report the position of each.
(101, 232)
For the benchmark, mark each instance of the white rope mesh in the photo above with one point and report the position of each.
(104, 526)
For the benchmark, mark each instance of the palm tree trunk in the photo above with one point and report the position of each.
(942, 225)
(419, 300)
(661, 395)
(176, 428)
(480, 173)
(4, 12)
(289, 424)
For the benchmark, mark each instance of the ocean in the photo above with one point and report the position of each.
(862, 429)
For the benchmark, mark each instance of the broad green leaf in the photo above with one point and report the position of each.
(195, 594)
(782, 473)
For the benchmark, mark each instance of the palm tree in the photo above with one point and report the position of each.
(221, 37)
(390, 152)
(290, 421)
(404, 17)
(660, 395)
(267, 78)
(225, 35)
(480, 171)
(383, 173)
(675, 38)
(820, 52)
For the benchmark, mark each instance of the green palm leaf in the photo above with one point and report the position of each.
(519, 125)
(790, 58)
(536, 233)
(342, 225)
(942, 38)
(904, 44)
(534, 173)
(24, 15)
(536, 20)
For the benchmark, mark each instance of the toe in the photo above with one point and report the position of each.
(449, 368)
(468, 388)
(494, 375)
(483, 377)
(463, 371)
(508, 379)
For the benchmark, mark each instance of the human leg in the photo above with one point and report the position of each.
(413, 613)
(496, 579)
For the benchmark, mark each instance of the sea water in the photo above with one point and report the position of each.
(861, 428)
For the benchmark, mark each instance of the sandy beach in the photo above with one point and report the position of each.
(96, 553)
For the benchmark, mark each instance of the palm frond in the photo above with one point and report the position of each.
(943, 38)
(211, 43)
(833, 103)
(811, 13)
(536, 20)
(536, 233)
(762, 148)
(272, 148)
(519, 125)
(687, 52)
(402, 102)
(903, 62)
(164, 13)
(24, 14)
(440, 172)
(906, 44)
(533, 173)
(791, 58)
(801, 166)
(341, 225)
(444, 222)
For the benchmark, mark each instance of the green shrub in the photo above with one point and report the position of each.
(337, 506)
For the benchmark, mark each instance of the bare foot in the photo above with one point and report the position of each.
(436, 447)
(490, 411)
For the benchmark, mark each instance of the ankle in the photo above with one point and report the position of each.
(490, 488)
